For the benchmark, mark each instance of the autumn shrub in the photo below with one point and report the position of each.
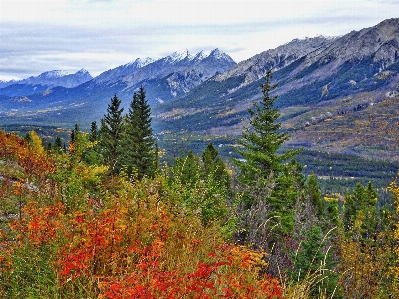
(34, 162)
(82, 234)
(135, 246)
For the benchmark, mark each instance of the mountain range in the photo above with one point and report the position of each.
(51, 79)
(335, 94)
(43, 99)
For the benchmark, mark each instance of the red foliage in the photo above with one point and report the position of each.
(134, 246)
(110, 247)
(13, 147)
(209, 280)
(40, 225)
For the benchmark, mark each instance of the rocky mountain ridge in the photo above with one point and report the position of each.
(310, 70)
(255, 67)
(52, 79)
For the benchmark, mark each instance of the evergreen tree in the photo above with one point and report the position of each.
(367, 212)
(28, 138)
(74, 133)
(209, 156)
(139, 142)
(58, 144)
(111, 133)
(370, 197)
(94, 134)
(360, 213)
(200, 190)
(93, 153)
(349, 212)
(48, 146)
(263, 173)
(156, 162)
(358, 195)
(189, 168)
(313, 193)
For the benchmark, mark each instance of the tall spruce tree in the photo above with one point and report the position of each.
(139, 142)
(111, 133)
(74, 133)
(263, 172)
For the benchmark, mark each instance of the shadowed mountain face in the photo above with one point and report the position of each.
(322, 81)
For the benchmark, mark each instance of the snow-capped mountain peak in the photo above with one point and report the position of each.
(82, 71)
(143, 62)
(53, 74)
(185, 55)
(217, 54)
(140, 62)
(179, 56)
(202, 55)
(54, 78)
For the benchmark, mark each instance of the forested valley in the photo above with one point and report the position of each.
(104, 217)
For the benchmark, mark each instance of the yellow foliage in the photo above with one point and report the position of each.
(92, 174)
(37, 143)
(326, 198)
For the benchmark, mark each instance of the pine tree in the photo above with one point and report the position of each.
(111, 133)
(93, 153)
(360, 213)
(94, 134)
(74, 133)
(190, 169)
(368, 212)
(370, 197)
(209, 156)
(263, 173)
(48, 146)
(139, 142)
(349, 212)
(200, 190)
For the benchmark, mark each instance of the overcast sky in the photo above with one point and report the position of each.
(38, 36)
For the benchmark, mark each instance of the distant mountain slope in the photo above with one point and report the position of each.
(308, 72)
(52, 79)
(255, 67)
(118, 73)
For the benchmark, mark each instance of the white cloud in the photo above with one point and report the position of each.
(39, 35)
